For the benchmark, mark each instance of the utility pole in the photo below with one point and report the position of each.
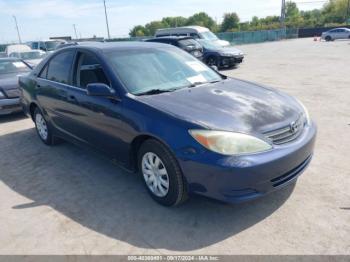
(75, 31)
(283, 14)
(104, 3)
(19, 36)
(347, 13)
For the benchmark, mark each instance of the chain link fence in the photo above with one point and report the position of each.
(248, 37)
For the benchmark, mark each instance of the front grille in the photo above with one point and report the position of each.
(12, 93)
(288, 133)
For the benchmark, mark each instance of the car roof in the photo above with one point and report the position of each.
(115, 46)
(340, 28)
(173, 37)
(181, 28)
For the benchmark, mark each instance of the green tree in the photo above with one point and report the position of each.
(175, 21)
(138, 30)
(230, 22)
(293, 17)
(202, 19)
(154, 25)
(335, 11)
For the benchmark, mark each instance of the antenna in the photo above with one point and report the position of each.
(19, 36)
(104, 3)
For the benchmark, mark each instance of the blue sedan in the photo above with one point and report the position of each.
(161, 113)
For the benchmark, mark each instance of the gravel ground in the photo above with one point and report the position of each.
(65, 200)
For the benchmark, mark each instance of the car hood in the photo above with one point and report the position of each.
(9, 81)
(231, 105)
(223, 42)
(33, 62)
(228, 49)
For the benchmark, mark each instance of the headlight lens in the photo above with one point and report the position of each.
(227, 54)
(2, 95)
(306, 112)
(229, 143)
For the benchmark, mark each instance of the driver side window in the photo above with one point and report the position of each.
(89, 71)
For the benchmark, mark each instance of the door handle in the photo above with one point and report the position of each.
(72, 98)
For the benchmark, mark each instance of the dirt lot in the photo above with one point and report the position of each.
(65, 200)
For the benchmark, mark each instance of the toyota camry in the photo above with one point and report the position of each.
(160, 112)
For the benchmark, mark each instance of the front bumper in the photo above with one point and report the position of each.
(240, 178)
(229, 61)
(9, 106)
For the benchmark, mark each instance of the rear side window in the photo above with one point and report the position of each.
(195, 35)
(60, 66)
(89, 71)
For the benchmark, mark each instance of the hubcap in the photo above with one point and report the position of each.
(41, 126)
(155, 174)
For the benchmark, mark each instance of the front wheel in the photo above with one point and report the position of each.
(213, 61)
(328, 38)
(161, 174)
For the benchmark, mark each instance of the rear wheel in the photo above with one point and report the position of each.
(161, 174)
(43, 129)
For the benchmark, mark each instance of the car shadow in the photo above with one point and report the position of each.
(12, 117)
(89, 189)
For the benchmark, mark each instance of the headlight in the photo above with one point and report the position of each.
(229, 143)
(2, 95)
(227, 54)
(306, 112)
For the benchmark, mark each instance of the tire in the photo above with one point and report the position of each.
(43, 129)
(213, 61)
(328, 38)
(161, 174)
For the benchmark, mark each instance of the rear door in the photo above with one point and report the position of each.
(51, 87)
(343, 34)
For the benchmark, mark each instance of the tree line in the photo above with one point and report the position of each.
(333, 13)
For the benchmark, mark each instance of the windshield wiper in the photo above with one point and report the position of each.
(155, 92)
(202, 83)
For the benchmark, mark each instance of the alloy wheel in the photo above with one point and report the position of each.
(41, 126)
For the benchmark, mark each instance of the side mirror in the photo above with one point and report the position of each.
(100, 89)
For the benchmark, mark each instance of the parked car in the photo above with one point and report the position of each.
(16, 48)
(32, 58)
(47, 46)
(3, 54)
(335, 34)
(63, 45)
(184, 42)
(159, 111)
(196, 32)
(10, 68)
(221, 57)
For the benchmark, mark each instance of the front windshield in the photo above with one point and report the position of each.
(32, 55)
(9, 67)
(51, 45)
(159, 69)
(208, 36)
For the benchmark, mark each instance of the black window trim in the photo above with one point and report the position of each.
(78, 53)
(47, 65)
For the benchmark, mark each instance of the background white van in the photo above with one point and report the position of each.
(193, 31)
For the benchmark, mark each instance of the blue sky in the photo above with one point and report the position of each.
(40, 19)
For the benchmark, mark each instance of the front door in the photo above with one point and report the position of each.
(95, 120)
